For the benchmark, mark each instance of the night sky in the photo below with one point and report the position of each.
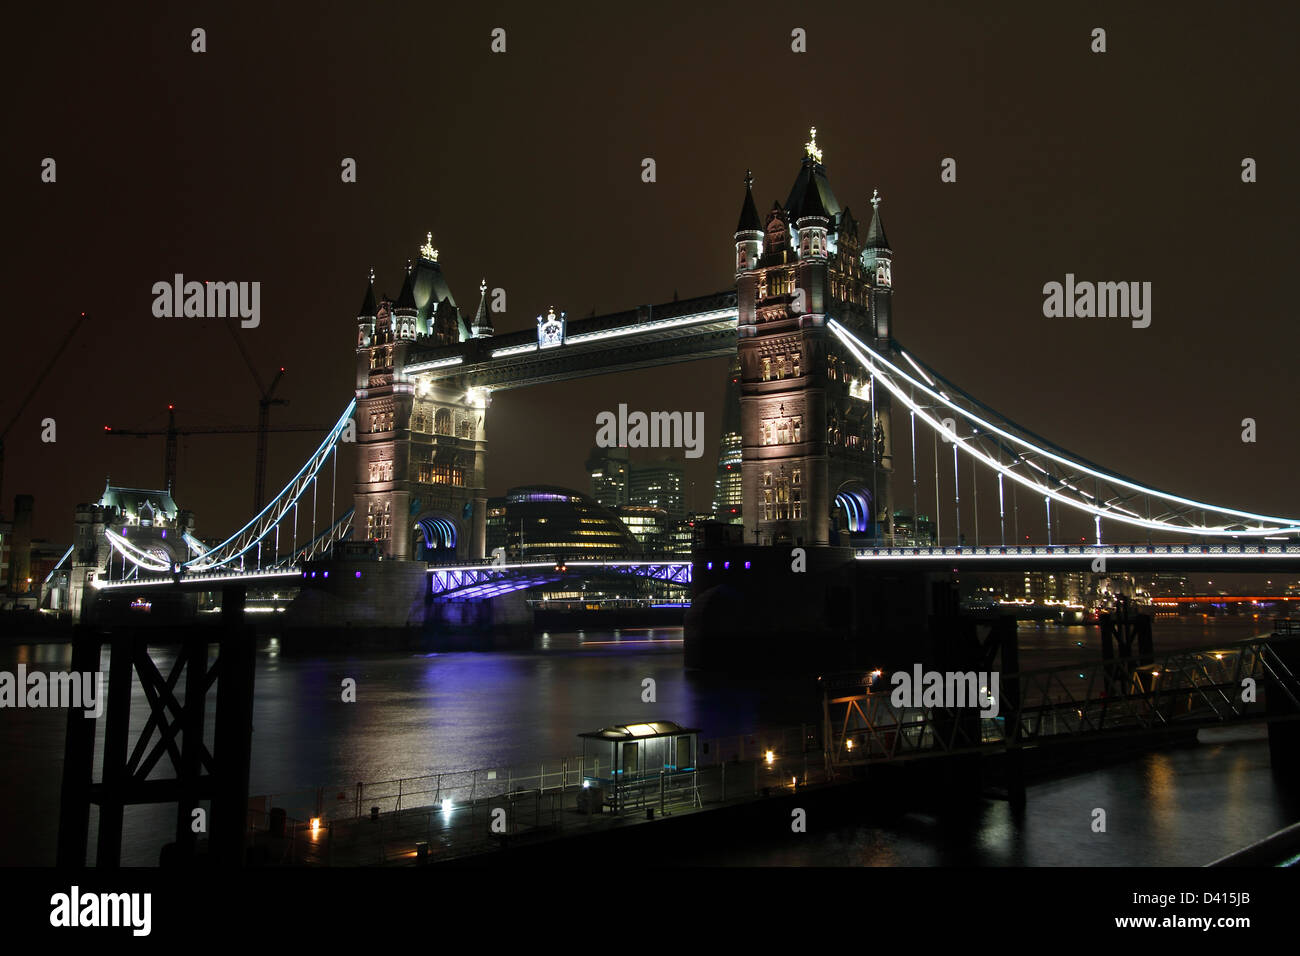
(1122, 166)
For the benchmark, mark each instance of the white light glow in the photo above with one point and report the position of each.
(437, 363)
(858, 348)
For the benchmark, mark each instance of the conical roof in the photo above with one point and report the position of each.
(812, 176)
(368, 307)
(876, 238)
(482, 319)
(811, 206)
(406, 300)
(749, 221)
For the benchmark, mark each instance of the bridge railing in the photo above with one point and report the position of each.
(1198, 687)
(1081, 550)
(334, 823)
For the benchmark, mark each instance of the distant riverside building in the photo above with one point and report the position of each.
(20, 545)
(1073, 587)
(648, 525)
(1070, 586)
(681, 535)
(609, 469)
(545, 521)
(658, 484)
(1164, 584)
(921, 531)
(727, 499)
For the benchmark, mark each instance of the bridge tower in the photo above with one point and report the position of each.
(422, 445)
(816, 449)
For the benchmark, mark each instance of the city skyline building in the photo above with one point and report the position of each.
(548, 521)
(658, 484)
(727, 489)
(609, 469)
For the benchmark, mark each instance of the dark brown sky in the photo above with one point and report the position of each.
(526, 167)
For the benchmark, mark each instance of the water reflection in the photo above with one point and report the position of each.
(421, 713)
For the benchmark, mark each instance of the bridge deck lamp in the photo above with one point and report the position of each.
(769, 757)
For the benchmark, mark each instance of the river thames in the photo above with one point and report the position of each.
(417, 714)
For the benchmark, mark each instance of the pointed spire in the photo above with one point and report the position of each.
(749, 221)
(811, 205)
(368, 307)
(482, 319)
(876, 233)
(406, 298)
(812, 177)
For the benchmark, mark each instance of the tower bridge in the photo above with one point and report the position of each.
(830, 406)
(814, 576)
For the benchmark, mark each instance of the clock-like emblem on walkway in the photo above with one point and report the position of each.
(550, 330)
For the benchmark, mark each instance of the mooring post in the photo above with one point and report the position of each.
(194, 653)
(112, 802)
(79, 758)
(232, 744)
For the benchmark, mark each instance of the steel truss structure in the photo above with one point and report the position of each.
(482, 581)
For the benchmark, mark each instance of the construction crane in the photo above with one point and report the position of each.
(40, 379)
(265, 401)
(172, 432)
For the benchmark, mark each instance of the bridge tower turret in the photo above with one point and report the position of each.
(367, 316)
(749, 231)
(404, 310)
(877, 261)
(815, 449)
(482, 328)
(421, 443)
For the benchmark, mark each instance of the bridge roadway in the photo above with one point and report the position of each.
(699, 328)
(485, 580)
(1245, 558)
(468, 581)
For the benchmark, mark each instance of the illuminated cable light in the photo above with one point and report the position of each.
(927, 378)
(654, 324)
(514, 350)
(436, 363)
(281, 505)
(845, 336)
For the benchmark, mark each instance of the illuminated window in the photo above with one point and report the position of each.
(378, 521)
(431, 474)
